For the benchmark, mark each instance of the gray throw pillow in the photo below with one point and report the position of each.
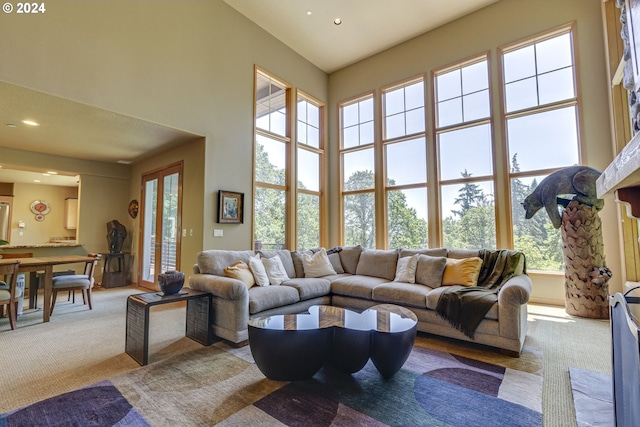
(349, 257)
(378, 263)
(430, 270)
(296, 258)
(431, 252)
(334, 258)
(462, 253)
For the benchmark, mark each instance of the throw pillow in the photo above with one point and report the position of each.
(240, 271)
(334, 259)
(430, 270)
(463, 272)
(258, 270)
(317, 265)
(275, 270)
(406, 270)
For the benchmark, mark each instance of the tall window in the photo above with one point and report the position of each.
(465, 145)
(310, 156)
(541, 111)
(405, 153)
(358, 172)
(271, 145)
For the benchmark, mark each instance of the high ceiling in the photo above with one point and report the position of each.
(77, 130)
(368, 26)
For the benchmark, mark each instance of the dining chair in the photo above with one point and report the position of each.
(82, 282)
(9, 293)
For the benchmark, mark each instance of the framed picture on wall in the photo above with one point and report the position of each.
(230, 207)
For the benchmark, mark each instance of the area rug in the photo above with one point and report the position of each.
(592, 398)
(220, 385)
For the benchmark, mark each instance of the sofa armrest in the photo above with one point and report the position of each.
(512, 307)
(515, 291)
(218, 286)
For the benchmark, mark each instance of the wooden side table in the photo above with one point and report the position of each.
(198, 324)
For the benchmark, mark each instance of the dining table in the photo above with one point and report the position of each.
(45, 264)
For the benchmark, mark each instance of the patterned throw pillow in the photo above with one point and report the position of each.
(240, 271)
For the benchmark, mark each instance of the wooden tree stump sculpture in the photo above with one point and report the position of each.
(586, 275)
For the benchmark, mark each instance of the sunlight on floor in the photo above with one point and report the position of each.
(548, 312)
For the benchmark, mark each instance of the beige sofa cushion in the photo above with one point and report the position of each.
(265, 297)
(309, 287)
(429, 270)
(378, 263)
(356, 286)
(405, 294)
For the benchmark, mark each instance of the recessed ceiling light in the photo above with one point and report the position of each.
(308, 13)
(337, 21)
(30, 123)
(52, 173)
(36, 180)
(46, 174)
(10, 125)
(124, 162)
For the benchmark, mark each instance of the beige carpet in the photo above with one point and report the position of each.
(80, 347)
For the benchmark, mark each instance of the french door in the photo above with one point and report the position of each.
(161, 212)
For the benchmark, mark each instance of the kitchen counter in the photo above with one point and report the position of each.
(42, 245)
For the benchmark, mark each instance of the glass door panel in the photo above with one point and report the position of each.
(160, 236)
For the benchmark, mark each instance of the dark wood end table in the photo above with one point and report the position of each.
(198, 324)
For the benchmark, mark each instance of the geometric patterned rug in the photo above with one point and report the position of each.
(219, 385)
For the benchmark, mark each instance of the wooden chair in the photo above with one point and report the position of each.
(82, 282)
(10, 296)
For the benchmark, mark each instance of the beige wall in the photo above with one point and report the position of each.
(38, 232)
(496, 25)
(184, 64)
(192, 156)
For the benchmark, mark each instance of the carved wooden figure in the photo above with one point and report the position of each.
(585, 270)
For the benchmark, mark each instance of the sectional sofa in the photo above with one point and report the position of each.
(359, 278)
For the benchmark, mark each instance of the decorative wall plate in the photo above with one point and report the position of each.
(40, 207)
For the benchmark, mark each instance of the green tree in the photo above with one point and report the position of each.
(469, 195)
(406, 230)
(269, 204)
(359, 211)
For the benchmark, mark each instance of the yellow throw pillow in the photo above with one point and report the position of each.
(463, 272)
(240, 271)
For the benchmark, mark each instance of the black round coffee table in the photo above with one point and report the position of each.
(288, 347)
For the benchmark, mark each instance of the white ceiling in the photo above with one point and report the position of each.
(71, 129)
(75, 130)
(368, 26)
